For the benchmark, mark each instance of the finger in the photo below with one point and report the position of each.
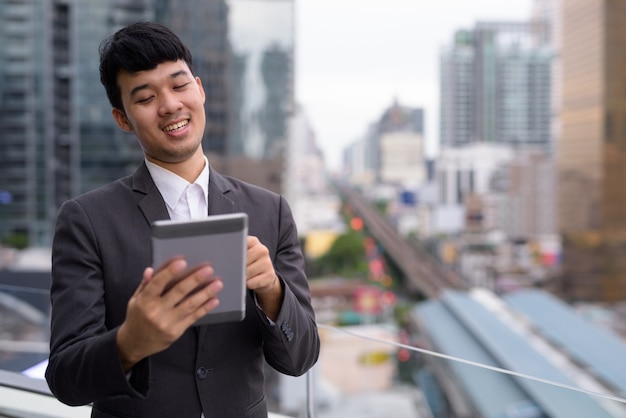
(206, 308)
(256, 252)
(145, 278)
(202, 295)
(162, 279)
(196, 279)
(147, 275)
(264, 282)
(202, 302)
(260, 274)
(259, 264)
(252, 241)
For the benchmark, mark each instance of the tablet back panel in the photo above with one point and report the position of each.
(219, 240)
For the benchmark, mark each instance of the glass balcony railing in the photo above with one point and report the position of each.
(470, 364)
(368, 372)
(364, 371)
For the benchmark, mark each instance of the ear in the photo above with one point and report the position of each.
(199, 83)
(121, 120)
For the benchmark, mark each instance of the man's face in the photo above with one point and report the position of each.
(164, 107)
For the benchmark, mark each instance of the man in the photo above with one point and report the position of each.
(117, 339)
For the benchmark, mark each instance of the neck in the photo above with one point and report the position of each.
(189, 169)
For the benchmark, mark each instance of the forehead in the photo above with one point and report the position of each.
(164, 72)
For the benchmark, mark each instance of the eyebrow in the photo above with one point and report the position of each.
(146, 85)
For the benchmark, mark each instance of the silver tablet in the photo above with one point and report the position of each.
(219, 240)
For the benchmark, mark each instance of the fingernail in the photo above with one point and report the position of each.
(180, 264)
(217, 285)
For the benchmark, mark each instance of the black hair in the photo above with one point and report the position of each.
(138, 47)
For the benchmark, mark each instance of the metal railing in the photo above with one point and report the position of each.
(26, 397)
(23, 396)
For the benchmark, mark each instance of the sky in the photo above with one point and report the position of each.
(354, 58)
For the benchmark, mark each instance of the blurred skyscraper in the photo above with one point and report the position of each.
(401, 158)
(60, 139)
(261, 83)
(495, 85)
(592, 149)
(392, 150)
(26, 115)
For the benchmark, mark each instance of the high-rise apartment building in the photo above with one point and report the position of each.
(495, 85)
(592, 150)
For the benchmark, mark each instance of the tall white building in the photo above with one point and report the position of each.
(392, 150)
(464, 173)
(495, 85)
(402, 158)
(495, 187)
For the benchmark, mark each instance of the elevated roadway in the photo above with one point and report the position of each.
(424, 274)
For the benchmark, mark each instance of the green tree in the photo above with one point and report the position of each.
(17, 240)
(345, 257)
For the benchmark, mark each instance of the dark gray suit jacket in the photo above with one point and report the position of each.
(100, 249)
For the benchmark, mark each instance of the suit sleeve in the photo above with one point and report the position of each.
(84, 364)
(291, 344)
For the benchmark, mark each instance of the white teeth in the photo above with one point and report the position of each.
(175, 126)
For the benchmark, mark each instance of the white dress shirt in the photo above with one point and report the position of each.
(184, 200)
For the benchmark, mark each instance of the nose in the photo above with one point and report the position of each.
(169, 103)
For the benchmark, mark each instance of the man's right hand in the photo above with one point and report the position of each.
(157, 314)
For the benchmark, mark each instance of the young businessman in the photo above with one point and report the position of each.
(117, 339)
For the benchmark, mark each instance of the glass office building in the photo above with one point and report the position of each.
(22, 97)
(592, 150)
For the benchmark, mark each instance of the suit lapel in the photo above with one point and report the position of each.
(219, 195)
(149, 198)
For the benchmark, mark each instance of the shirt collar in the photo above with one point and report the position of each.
(172, 186)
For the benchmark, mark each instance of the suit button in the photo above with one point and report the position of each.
(202, 373)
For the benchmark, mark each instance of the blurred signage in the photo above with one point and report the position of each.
(374, 358)
(408, 198)
(5, 197)
(356, 223)
(367, 300)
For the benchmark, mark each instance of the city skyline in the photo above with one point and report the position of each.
(351, 66)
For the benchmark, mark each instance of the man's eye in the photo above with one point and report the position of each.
(144, 100)
(181, 86)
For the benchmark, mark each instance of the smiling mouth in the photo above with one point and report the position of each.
(176, 126)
